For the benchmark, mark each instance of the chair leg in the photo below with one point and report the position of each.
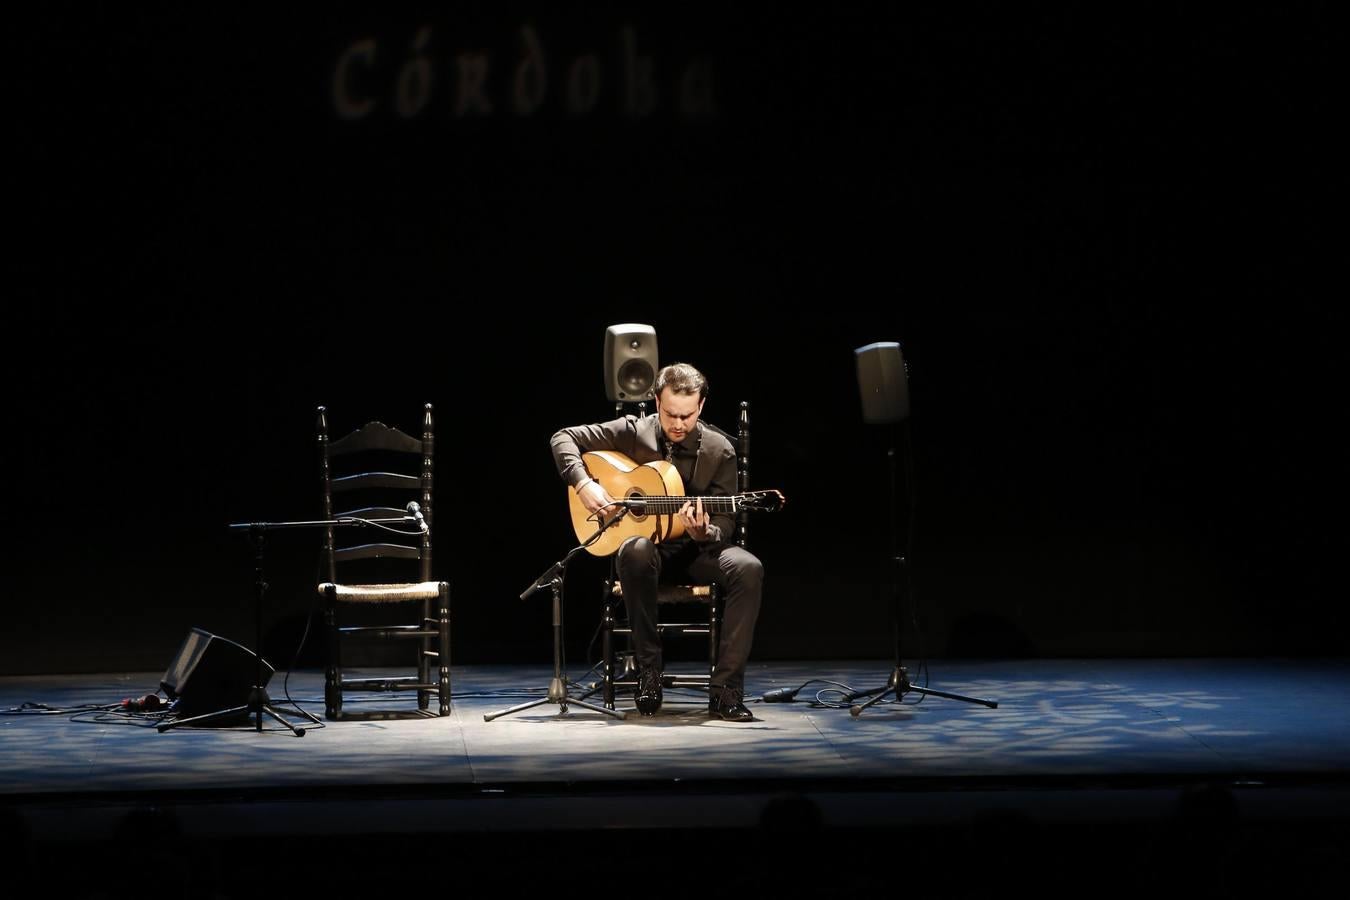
(332, 683)
(607, 654)
(714, 629)
(444, 657)
(424, 659)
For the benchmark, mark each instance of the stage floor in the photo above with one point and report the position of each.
(1073, 744)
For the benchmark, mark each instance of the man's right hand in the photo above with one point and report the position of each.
(594, 497)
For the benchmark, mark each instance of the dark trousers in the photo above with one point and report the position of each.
(642, 565)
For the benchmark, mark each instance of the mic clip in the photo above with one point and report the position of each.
(416, 512)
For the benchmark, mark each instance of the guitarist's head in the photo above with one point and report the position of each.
(680, 391)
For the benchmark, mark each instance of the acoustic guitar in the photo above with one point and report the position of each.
(651, 495)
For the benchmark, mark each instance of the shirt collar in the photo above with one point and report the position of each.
(687, 447)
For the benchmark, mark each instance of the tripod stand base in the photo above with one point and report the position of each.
(557, 686)
(899, 686)
(557, 693)
(258, 704)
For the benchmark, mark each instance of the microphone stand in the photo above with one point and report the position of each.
(552, 578)
(898, 683)
(258, 700)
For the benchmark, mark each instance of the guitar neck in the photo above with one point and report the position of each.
(667, 505)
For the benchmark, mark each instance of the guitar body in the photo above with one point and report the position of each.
(626, 480)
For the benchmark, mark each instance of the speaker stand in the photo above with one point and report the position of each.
(259, 704)
(898, 682)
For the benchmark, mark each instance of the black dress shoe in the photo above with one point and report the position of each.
(648, 694)
(726, 704)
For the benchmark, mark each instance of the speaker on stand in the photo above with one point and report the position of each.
(630, 363)
(883, 385)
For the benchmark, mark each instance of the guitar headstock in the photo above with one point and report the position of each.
(761, 501)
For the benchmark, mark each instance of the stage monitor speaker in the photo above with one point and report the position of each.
(210, 673)
(883, 383)
(630, 363)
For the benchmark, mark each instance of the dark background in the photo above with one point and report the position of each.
(1100, 237)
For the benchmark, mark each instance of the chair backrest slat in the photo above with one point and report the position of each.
(376, 551)
(366, 480)
(375, 436)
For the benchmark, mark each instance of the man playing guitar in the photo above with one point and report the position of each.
(704, 552)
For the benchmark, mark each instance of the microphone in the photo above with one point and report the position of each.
(416, 512)
(781, 695)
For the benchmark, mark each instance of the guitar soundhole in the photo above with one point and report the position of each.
(635, 494)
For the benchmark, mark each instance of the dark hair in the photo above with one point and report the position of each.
(681, 378)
